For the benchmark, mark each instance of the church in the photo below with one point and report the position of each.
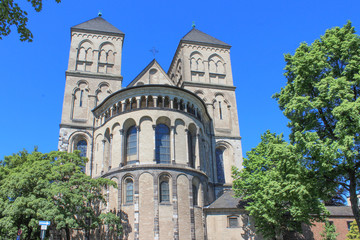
(169, 138)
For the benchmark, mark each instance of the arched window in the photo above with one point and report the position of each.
(195, 195)
(190, 150)
(164, 191)
(131, 141)
(129, 191)
(82, 147)
(162, 144)
(220, 165)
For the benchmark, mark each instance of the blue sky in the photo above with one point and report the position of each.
(33, 74)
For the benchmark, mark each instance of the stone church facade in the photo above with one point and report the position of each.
(168, 139)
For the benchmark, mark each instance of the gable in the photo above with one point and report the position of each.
(152, 74)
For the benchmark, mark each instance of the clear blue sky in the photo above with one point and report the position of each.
(33, 74)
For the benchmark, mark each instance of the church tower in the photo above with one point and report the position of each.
(202, 65)
(94, 72)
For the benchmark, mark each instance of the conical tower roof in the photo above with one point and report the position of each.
(98, 25)
(197, 36)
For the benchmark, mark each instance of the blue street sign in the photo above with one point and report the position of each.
(44, 223)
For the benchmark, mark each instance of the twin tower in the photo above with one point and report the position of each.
(168, 139)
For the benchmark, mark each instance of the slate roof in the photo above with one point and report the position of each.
(98, 24)
(227, 200)
(197, 36)
(340, 211)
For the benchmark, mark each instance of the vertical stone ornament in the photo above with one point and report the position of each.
(122, 159)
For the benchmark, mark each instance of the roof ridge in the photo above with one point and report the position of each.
(197, 36)
(97, 24)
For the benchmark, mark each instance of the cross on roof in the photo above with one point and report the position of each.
(154, 51)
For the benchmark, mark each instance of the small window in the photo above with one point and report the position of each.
(129, 191)
(349, 225)
(195, 195)
(164, 192)
(233, 221)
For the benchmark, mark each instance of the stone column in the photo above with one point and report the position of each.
(156, 207)
(197, 152)
(103, 159)
(110, 152)
(155, 101)
(94, 66)
(175, 209)
(187, 147)
(123, 105)
(172, 142)
(138, 102)
(154, 140)
(172, 103)
(122, 160)
(137, 143)
(206, 67)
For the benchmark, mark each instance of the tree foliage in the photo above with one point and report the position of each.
(329, 232)
(11, 14)
(353, 234)
(321, 100)
(50, 187)
(280, 191)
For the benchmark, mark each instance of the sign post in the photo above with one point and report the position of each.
(43, 225)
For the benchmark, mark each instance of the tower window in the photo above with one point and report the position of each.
(81, 97)
(220, 111)
(164, 191)
(129, 191)
(162, 143)
(131, 141)
(220, 165)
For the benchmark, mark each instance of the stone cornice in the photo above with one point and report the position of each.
(207, 85)
(227, 137)
(93, 75)
(75, 126)
(180, 168)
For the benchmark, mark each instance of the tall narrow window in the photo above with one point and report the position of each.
(131, 141)
(190, 150)
(220, 110)
(81, 97)
(220, 165)
(82, 147)
(162, 143)
(164, 192)
(195, 195)
(129, 191)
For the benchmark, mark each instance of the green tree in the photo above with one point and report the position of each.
(321, 100)
(354, 232)
(329, 232)
(50, 187)
(278, 189)
(11, 14)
